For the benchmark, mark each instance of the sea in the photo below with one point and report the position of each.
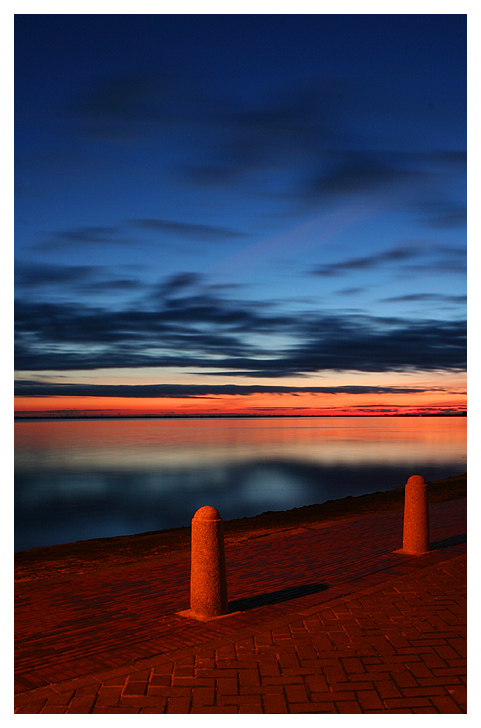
(82, 479)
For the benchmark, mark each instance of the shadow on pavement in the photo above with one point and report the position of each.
(451, 541)
(261, 600)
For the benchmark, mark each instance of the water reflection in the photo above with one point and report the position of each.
(125, 444)
(77, 480)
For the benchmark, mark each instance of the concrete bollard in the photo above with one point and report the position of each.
(416, 517)
(208, 585)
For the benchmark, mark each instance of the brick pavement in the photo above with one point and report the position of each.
(325, 618)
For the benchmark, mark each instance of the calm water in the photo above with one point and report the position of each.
(83, 479)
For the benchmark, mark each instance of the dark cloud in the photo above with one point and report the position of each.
(178, 332)
(418, 182)
(356, 176)
(453, 157)
(309, 129)
(63, 279)
(206, 332)
(32, 275)
(35, 388)
(119, 97)
(310, 126)
(289, 126)
(135, 106)
(432, 258)
(367, 262)
(121, 234)
(84, 236)
(179, 283)
(445, 265)
(443, 215)
(89, 235)
(350, 291)
(188, 230)
(382, 345)
(121, 285)
(426, 298)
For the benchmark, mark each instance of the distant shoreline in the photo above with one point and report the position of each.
(226, 416)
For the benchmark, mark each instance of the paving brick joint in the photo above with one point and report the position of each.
(331, 620)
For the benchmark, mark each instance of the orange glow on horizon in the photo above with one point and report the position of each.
(252, 404)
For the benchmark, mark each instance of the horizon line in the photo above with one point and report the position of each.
(228, 416)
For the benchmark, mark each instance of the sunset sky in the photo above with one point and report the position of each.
(256, 214)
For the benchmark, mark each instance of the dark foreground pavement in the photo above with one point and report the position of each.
(325, 618)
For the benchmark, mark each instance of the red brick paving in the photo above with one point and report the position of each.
(326, 619)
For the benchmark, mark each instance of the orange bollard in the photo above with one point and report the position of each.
(416, 517)
(208, 585)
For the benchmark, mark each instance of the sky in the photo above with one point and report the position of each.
(240, 214)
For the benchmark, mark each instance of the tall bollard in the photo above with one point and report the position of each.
(416, 517)
(208, 585)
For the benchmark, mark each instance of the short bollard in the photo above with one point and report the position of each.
(416, 517)
(208, 585)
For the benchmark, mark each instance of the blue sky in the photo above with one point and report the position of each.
(263, 201)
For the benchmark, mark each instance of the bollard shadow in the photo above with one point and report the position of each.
(446, 542)
(282, 595)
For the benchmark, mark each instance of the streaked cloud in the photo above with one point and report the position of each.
(207, 332)
(83, 236)
(360, 174)
(36, 388)
(443, 215)
(51, 279)
(422, 256)
(426, 298)
(188, 230)
(366, 262)
(39, 275)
